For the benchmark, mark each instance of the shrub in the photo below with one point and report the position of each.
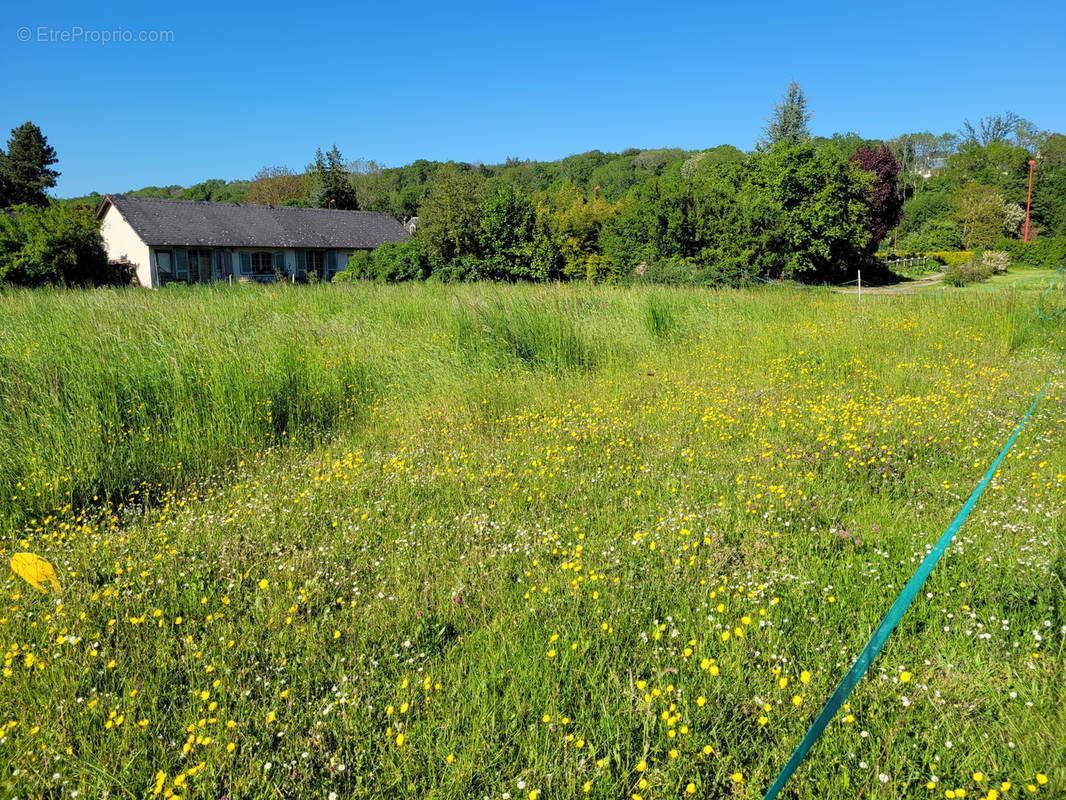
(666, 271)
(392, 262)
(934, 234)
(996, 261)
(54, 244)
(973, 271)
(1047, 252)
(952, 258)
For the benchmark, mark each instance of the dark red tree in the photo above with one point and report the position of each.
(886, 206)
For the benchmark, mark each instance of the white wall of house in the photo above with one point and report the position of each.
(123, 244)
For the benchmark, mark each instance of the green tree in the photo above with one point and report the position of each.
(566, 241)
(980, 213)
(449, 219)
(52, 244)
(506, 235)
(993, 128)
(332, 181)
(1049, 187)
(276, 186)
(820, 200)
(933, 203)
(934, 234)
(788, 124)
(25, 168)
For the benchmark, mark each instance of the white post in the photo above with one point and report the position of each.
(860, 286)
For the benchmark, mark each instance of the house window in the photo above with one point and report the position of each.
(200, 266)
(316, 262)
(262, 263)
(164, 264)
(257, 263)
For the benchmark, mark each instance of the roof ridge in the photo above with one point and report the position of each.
(242, 205)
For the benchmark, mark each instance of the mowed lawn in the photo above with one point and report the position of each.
(527, 542)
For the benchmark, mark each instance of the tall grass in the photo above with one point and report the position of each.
(548, 542)
(116, 395)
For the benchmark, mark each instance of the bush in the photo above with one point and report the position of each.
(392, 262)
(973, 271)
(666, 271)
(1047, 252)
(55, 244)
(935, 234)
(996, 261)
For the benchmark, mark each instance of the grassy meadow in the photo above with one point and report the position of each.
(526, 543)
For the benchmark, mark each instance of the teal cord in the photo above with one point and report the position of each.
(903, 601)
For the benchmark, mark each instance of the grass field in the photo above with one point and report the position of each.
(527, 542)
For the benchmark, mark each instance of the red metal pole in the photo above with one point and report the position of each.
(1029, 201)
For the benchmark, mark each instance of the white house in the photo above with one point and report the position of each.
(195, 241)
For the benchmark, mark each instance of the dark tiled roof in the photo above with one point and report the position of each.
(196, 222)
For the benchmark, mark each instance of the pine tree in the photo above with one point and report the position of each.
(332, 181)
(24, 168)
(789, 122)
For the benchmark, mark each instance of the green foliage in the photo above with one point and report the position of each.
(331, 181)
(449, 220)
(566, 235)
(51, 245)
(1048, 211)
(931, 204)
(975, 270)
(25, 168)
(217, 190)
(793, 211)
(819, 200)
(998, 165)
(392, 262)
(660, 315)
(537, 335)
(788, 125)
(506, 235)
(1045, 252)
(980, 213)
(935, 234)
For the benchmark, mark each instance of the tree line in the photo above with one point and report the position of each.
(797, 206)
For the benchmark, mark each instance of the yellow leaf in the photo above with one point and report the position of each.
(34, 570)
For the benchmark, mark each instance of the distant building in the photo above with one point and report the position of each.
(932, 167)
(192, 241)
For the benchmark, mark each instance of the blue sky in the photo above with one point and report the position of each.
(244, 86)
